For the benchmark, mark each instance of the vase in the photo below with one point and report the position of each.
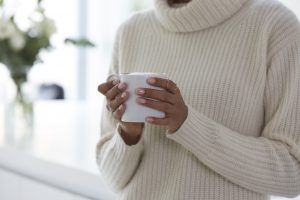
(19, 114)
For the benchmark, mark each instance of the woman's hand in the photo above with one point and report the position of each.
(116, 95)
(171, 102)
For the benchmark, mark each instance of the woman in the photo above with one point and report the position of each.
(232, 126)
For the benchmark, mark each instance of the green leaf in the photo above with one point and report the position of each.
(79, 42)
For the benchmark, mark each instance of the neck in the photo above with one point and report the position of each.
(195, 15)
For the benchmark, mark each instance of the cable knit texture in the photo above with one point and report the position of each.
(237, 65)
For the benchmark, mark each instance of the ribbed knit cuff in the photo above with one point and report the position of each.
(124, 149)
(119, 161)
(197, 130)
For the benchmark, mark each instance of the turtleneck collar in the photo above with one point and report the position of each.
(196, 14)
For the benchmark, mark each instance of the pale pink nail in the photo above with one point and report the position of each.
(121, 86)
(151, 80)
(141, 100)
(123, 95)
(141, 91)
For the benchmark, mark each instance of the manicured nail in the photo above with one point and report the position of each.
(140, 100)
(121, 86)
(115, 82)
(123, 94)
(150, 119)
(151, 80)
(141, 91)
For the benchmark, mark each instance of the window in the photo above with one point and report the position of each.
(78, 71)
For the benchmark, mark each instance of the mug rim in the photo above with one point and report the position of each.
(110, 76)
(141, 73)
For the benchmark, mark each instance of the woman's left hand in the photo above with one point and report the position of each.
(170, 102)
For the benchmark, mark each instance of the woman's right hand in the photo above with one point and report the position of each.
(115, 94)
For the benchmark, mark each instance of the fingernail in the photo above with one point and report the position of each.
(150, 119)
(120, 107)
(123, 94)
(115, 82)
(151, 80)
(141, 91)
(140, 100)
(121, 86)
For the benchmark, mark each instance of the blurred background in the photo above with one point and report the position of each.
(57, 103)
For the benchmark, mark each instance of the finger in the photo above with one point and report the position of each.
(112, 93)
(156, 94)
(118, 100)
(158, 121)
(104, 87)
(167, 84)
(158, 105)
(117, 114)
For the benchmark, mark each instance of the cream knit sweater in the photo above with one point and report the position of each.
(237, 65)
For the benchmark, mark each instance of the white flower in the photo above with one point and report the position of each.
(36, 30)
(7, 29)
(45, 27)
(49, 26)
(17, 41)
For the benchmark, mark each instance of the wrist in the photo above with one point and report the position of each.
(129, 138)
(171, 131)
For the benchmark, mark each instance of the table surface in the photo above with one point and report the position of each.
(65, 134)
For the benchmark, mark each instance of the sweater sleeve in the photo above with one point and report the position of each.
(116, 160)
(270, 163)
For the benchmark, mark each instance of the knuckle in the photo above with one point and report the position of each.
(108, 94)
(148, 93)
(166, 107)
(115, 89)
(149, 103)
(117, 98)
(119, 91)
(166, 98)
(113, 92)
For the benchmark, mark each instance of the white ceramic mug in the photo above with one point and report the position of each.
(135, 112)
